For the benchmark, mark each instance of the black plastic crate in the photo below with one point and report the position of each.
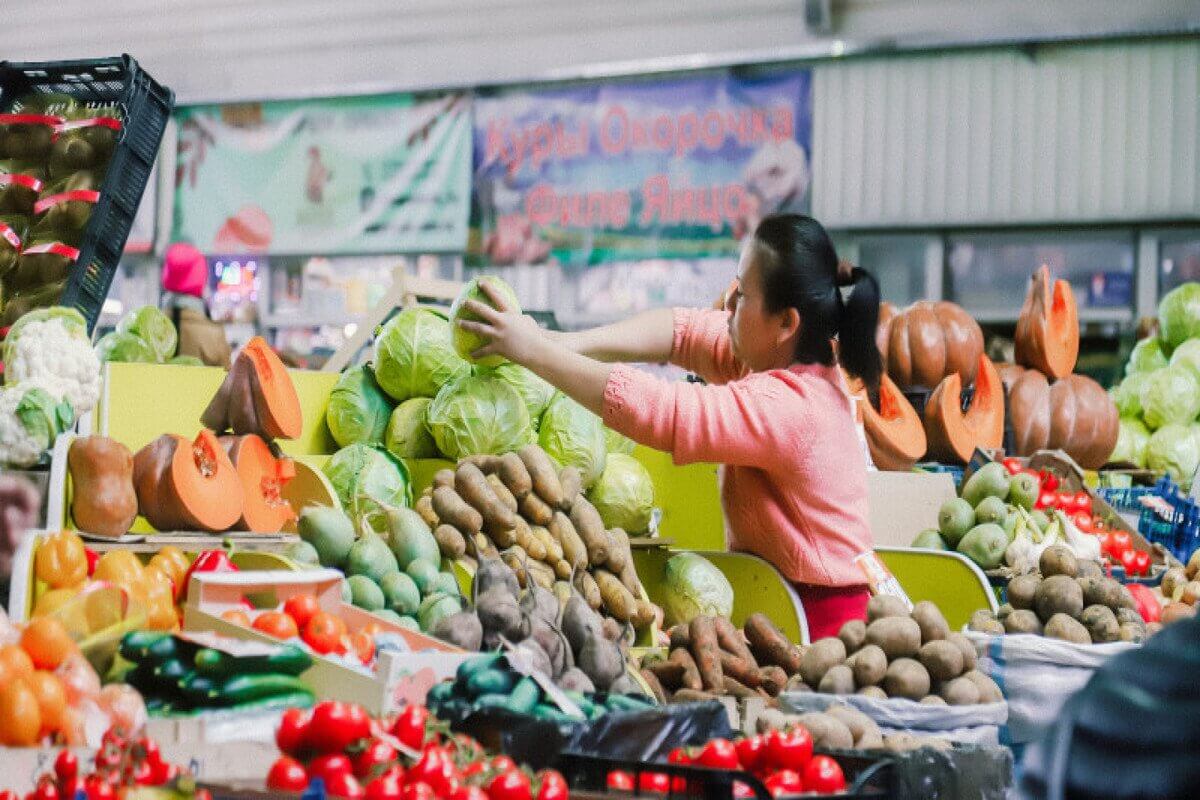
(145, 106)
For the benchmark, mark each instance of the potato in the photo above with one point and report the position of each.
(1094, 589)
(1061, 626)
(941, 659)
(1118, 596)
(858, 722)
(853, 634)
(820, 657)
(869, 665)
(906, 678)
(901, 742)
(959, 692)
(1128, 615)
(933, 699)
(1023, 621)
(966, 647)
(930, 620)
(1021, 591)
(796, 684)
(1193, 566)
(984, 621)
(1101, 623)
(885, 605)
(871, 740)
(1172, 579)
(1131, 633)
(989, 692)
(838, 679)
(1003, 611)
(1058, 594)
(898, 637)
(1058, 559)
(1177, 611)
(873, 691)
(1190, 593)
(827, 732)
(1089, 567)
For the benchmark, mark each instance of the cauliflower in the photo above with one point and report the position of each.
(31, 418)
(52, 346)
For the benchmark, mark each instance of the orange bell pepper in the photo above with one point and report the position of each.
(160, 605)
(61, 560)
(173, 562)
(122, 568)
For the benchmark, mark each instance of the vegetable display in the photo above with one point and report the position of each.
(262, 475)
(358, 410)
(184, 485)
(50, 347)
(476, 415)
(466, 342)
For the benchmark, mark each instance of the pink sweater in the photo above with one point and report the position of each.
(794, 482)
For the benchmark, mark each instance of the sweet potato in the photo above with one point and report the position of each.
(732, 641)
(572, 485)
(453, 510)
(534, 509)
(562, 569)
(486, 464)
(735, 688)
(554, 551)
(769, 645)
(629, 577)
(668, 673)
(692, 696)
(543, 477)
(680, 637)
(424, 507)
(574, 553)
(532, 544)
(656, 688)
(691, 671)
(586, 586)
(706, 651)
(502, 493)
(740, 670)
(619, 554)
(618, 602)
(773, 679)
(644, 613)
(590, 528)
(472, 486)
(513, 473)
(443, 477)
(450, 541)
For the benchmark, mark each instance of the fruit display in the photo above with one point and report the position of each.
(176, 676)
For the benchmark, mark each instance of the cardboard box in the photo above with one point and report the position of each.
(397, 679)
(902, 504)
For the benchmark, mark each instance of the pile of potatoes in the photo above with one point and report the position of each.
(1068, 599)
(899, 654)
(841, 727)
(535, 517)
(1181, 589)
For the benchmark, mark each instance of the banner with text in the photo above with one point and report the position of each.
(648, 169)
(379, 174)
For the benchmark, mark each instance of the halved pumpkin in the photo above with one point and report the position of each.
(187, 486)
(262, 477)
(895, 435)
(1047, 336)
(930, 340)
(256, 397)
(1074, 415)
(954, 434)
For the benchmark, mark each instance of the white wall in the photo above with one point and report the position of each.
(259, 49)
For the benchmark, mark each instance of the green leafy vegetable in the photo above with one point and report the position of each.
(125, 347)
(414, 355)
(358, 409)
(154, 328)
(466, 342)
(1175, 450)
(1170, 395)
(574, 436)
(478, 415)
(694, 587)
(359, 471)
(533, 390)
(1131, 443)
(1179, 315)
(407, 434)
(1147, 356)
(624, 494)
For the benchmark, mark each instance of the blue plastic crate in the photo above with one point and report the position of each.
(1179, 530)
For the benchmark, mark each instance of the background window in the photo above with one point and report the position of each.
(898, 263)
(1178, 261)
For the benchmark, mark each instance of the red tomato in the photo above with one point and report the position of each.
(467, 792)
(1119, 542)
(509, 785)
(165, 773)
(1081, 501)
(718, 754)
(334, 726)
(653, 782)
(1129, 562)
(8, 794)
(1013, 465)
(1049, 480)
(344, 785)
(784, 782)
(417, 791)
(45, 790)
(750, 752)
(824, 775)
(68, 789)
(374, 759)
(293, 728)
(680, 756)
(276, 624)
(363, 646)
(436, 768)
(552, 786)
(409, 727)
(324, 633)
(1046, 499)
(1083, 521)
(100, 789)
(301, 608)
(619, 781)
(287, 775)
(501, 763)
(742, 791)
(1142, 562)
(140, 774)
(789, 749)
(66, 766)
(328, 765)
(388, 786)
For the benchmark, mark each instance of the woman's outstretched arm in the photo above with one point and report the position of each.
(643, 338)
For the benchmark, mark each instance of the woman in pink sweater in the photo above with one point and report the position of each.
(775, 412)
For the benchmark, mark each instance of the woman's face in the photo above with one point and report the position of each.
(761, 339)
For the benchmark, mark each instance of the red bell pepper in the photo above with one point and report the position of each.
(1147, 603)
(209, 561)
(93, 558)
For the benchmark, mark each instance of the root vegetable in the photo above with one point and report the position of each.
(644, 614)
(534, 509)
(443, 477)
(898, 637)
(989, 692)
(853, 634)
(473, 487)
(1058, 594)
(554, 551)
(572, 484)
(769, 645)
(542, 476)
(884, 605)
(586, 586)
(486, 464)
(534, 546)
(827, 732)
(590, 528)
(931, 622)
(574, 680)
(579, 622)
(692, 696)
(602, 661)
(906, 678)
(820, 657)
(499, 613)
(965, 647)
(574, 552)
(424, 507)
(619, 553)
(943, 660)
(772, 679)
(563, 570)
(668, 673)
(1058, 559)
(515, 476)
(680, 637)
(516, 559)
(451, 509)
(740, 670)
(859, 723)
(1023, 621)
(463, 629)
(984, 621)
(541, 574)
(873, 691)
(837, 680)
(502, 493)
(706, 650)
(1131, 633)
(691, 671)
(869, 665)
(960, 692)
(735, 688)
(1101, 624)
(1022, 590)
(731, 641)
(616, 598)
(932, 700)
(1061, 626)
(656, 688)
(450, 541)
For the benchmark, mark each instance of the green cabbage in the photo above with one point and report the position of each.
(360, 471)
(125, 347)
(617, 443)
(407, 434)
(1187, 355)
(478, 415)
(1170, 395)
(1175, 450)
(154, 328)
(1147, 356)
(624, 494)
(1131, 443)
(694, 586)
(574, 436)
(358, 409)
(1127, 395)
(414, 356)
(466, 342)
(536, 393)
(1179, 315)
(42, 415)
(185, 361)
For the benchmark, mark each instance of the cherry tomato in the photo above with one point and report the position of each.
(653, 782)
(165, 773)
(509, 785)
(324, 633)
(742, 791)
(100, 789)
(1013, 465)
(1119, 542)
(287, 775)
(374, 760)
(784, 782)
(1129, 562)
(293, 728)
(1083, 521)
(388, 786)
(334, 726)
(1142, 562)
(141, 774)
(344, 785)
(718, 754)
(467, 792)
(45, 790)
(501, 763)
(328, 765)
(436, 768)
(409, 727)
(276, 624)
(301, 608)
(789, 749)
(824, 775)
(1046, 499)
(1049, 480)
(619, 781)
(552, 785)
(66, 767)
(67, 789)
(679, 756)
(1082, 501)
(417, 791)
(750, 752)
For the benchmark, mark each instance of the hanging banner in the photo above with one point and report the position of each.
(380, 174)
(624, 171)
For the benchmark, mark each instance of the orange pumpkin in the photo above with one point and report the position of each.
(1074, 415)
(954, 434)
(263, 476)
(929, 341)
(883, 329)
(187, 486)
(1047, 337)
(895, 435)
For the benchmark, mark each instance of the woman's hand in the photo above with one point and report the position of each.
(510, 333)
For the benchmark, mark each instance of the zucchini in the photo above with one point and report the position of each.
(551, 713)
(298, 698)
(440, 693)
(490, 681)
(287, 660)
(135, 645)
(198, 689)
(244, 688)
(169, 673)
(524, 696)
(491, 700)
(472, 665)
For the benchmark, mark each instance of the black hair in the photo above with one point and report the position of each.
(802, 272)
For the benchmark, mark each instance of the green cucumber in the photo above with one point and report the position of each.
(136, 646)
(491, 700)
(440, 693)
(168, 673)
(551, 713)
(585, 704)
(472, 665)
(287, 660)
(297, 698)
(198, 689)
(244, 688)
(524, 696)
(490, 681)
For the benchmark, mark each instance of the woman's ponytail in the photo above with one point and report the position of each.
(857, 349)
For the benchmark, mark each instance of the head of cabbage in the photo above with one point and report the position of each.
(154, 328)
(361, 473)
(1174, 449)
(1170, 395)
(533, 390)
(125, 348)
(478, 415)
(1131, 443)
(414, 355)
(1147, 356)
(624, 494)
(618, 443)
(466, 342)
(1127, 395)
(1179, 315)
(1187, 355)
(358, 409)
(694, 586)
(574, 436)
(407, 434)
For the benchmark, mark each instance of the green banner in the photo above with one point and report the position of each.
(343, 176)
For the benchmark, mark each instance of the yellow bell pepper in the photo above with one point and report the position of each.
(61, 560)
(53, 600)
(122, 568)
(160, 605)
(173, 562)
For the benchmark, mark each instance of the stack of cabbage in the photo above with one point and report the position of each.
(144, 336)
(423, 396)
(1159, 399)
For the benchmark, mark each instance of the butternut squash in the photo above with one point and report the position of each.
(929, 341)
(262, 476)
(895, 435)
(953, 433)
(187, 486)
(256, 397)
(103, 500)
(1047, 336)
